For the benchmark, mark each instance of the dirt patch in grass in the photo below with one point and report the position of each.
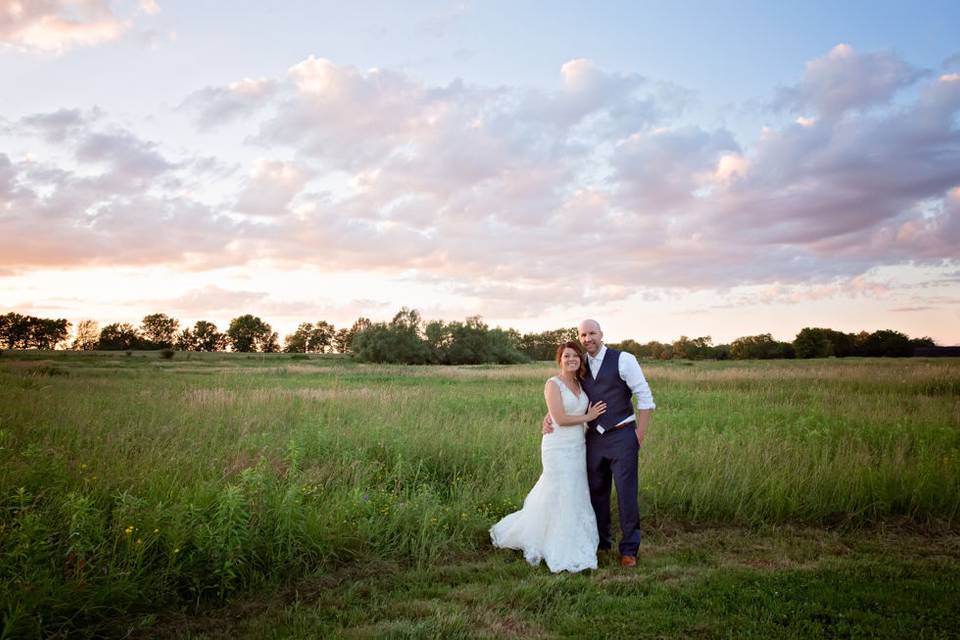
(506, 625)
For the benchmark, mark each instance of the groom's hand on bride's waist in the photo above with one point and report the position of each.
(547, 424)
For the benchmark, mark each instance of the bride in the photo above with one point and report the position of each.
(557, 523)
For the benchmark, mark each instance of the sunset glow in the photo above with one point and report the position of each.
(664, 171)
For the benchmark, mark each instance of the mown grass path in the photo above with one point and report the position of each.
(134, 487)
(708, 583)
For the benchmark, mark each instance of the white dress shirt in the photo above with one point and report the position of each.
(630, 373)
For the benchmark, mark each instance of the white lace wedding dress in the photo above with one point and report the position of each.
(556, 523)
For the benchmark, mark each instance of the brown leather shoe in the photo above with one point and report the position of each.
(628, 561)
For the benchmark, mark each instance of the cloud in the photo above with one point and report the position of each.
(131, 161)
(844, 80)
(215, 106)
(270, 188)
(842, 187)
(513, 193)
(614, 100)
(55, 218)
(210, 299)
(54, 26)
(664, 168)
(120, 204)
(214, 301)
(346, 117)
(56, 126)
(150, 7)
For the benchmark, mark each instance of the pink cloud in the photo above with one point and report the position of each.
(270, 188)
(55, 26)
(510, 192)
(844, 79)
(214, 106)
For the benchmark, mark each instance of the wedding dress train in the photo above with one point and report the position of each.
(557, 523)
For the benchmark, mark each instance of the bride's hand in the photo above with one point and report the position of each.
(596, 410)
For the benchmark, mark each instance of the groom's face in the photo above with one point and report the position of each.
(591, 337)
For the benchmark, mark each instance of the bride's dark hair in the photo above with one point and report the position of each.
(573, 344)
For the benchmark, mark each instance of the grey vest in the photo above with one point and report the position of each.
(610, 388)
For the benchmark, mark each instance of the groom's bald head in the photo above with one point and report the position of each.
(589, 322)
(591, 337)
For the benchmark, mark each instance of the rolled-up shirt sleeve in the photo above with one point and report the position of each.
(631, 374)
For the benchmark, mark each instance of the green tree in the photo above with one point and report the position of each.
(28, 332)
(406, 339)
(250, 333)
(631, 346)
(119, 337)
(501, 345)
(817, 342)
(885, 342)
(15, 330)
(701, 348)
(160, 329)
(207, 337)
(515, 338)
(659, 350)
(299, 340)
(271, 344)
(341, 340)
(87, 336)
(682, 348)
(48, 333)
(322, 336)
(311, 338)
(377, 343)
(344, 337)
(543, 346)
(470, 342)
(400, 341)
(186, 341)
(760, 347)
(812, 342)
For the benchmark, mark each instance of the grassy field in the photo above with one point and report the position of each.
(232, 495)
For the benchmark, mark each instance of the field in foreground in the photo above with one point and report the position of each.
(319, 497)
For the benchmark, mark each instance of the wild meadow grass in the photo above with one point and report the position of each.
(134, 483)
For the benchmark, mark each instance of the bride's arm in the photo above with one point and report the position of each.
(555, 404)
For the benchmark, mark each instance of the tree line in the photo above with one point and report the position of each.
(407, 338)
(810, 342)
(246, 333)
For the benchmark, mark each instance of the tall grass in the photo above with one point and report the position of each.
(129, 484)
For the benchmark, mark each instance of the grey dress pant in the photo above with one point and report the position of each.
(612, 460)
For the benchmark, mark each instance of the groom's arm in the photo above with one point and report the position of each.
(632, 375)
(547, 426)
(643, 419)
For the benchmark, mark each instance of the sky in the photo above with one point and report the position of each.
(683, 168)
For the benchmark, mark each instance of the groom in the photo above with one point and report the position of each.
(614, 439)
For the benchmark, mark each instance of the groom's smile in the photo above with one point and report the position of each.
(591, 337)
